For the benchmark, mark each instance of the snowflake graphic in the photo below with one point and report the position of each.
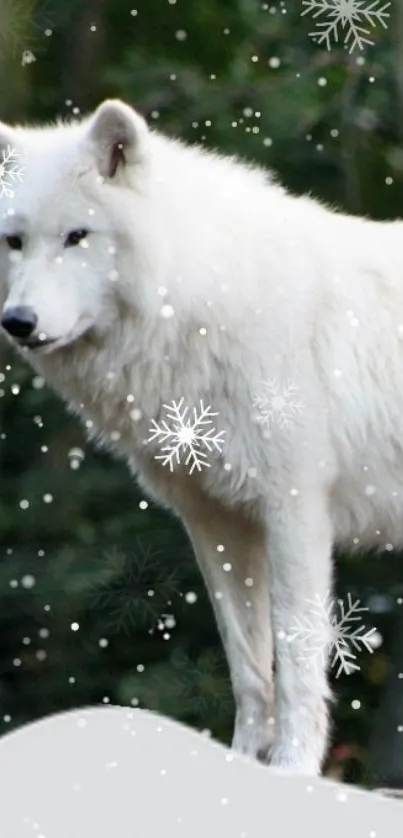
(204, 685)
(312, 633)
(22, 22)
(186, 435)
(10, 171)
(277, 406)
(132, 590)
(351, 19)
(201, 686)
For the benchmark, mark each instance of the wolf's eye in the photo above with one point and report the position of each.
(75, 237)
(14, 242)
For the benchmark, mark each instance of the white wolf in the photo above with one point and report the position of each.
(137, 272)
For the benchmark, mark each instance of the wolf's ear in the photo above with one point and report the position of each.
(118, 136)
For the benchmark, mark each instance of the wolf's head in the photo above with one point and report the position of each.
(73, 223)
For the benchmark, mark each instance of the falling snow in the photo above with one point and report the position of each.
(349, 21)
(133, 589)
(186, 436)
(10, 171)
(277, 406)
(346, 637)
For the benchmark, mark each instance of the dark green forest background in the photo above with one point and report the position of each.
(100, 598)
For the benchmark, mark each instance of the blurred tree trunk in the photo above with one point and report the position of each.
(386, 749)
(84, 54)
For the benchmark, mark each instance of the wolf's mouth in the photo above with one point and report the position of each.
(36, 343)
(42, 341)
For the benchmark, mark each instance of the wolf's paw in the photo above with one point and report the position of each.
(255, 741)
(290, 759)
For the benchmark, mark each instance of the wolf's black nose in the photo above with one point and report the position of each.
(19, 321)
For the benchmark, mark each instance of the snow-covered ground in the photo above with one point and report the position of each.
(116, 772)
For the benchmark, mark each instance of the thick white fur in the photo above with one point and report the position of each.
(264, 285)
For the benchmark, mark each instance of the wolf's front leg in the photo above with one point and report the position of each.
(300, 547)
(231, 553)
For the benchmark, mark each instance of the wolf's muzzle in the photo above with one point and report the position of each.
(19, 321)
